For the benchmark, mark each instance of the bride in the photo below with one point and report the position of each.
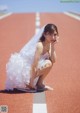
(29, 67)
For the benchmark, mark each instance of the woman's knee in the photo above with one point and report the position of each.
(45, 68)
(48, 63)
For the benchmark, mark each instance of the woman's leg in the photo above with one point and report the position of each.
(43, 73)
(42, 76)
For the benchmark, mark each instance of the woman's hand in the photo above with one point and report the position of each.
(52, 52)
(53, 42)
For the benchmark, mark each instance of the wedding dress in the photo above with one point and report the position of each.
(19, 65)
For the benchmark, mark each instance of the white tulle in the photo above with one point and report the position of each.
(19, 65)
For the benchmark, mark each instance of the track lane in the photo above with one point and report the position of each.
(65, 74)
(15, 32)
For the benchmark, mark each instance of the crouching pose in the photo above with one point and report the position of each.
(29, 67)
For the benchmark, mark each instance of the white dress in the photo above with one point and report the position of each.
(18, 70)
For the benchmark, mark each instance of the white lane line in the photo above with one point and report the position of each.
(39, 108)
(38, 18)
(37, 22)
(4, 16)
(72, 15)
(37, 30)
(39, 99)
(39, 103)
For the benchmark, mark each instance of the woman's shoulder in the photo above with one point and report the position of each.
(39, 45)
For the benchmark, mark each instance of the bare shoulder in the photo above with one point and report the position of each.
(40, 47)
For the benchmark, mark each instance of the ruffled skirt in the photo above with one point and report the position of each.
(18, 71)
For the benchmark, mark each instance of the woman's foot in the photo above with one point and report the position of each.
(44, 87)
(30, 87)
(41, 86)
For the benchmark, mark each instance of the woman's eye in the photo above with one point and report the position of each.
(55, 34)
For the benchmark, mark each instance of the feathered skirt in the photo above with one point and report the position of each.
(18, 71)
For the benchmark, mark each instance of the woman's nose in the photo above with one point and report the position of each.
(54, 38)
(57, 37)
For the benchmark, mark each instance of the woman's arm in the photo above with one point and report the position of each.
(52, 53)
(37, 55)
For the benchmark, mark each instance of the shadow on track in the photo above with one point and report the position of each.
(19, 91)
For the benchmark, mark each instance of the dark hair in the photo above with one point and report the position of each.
(50, 28)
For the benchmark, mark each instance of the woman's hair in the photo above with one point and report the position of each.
(50, 28)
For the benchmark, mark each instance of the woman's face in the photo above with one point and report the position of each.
(52, 37)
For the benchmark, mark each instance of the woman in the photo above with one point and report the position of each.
(30, 66)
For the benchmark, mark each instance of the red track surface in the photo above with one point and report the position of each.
(64, 77)
(15, 31)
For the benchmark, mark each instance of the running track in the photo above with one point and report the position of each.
(15, 32)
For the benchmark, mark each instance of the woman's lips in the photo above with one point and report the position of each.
(53, 40)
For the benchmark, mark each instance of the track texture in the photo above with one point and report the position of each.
(15, 32)
(65, 74)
